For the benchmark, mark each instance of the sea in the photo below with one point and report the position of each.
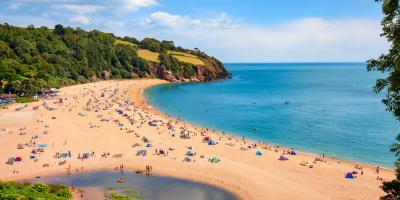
(321, 108)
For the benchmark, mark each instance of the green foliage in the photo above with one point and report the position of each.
(151, 44)
(389, 65)
(124, 194)
(188, 70)
(32, 58)
(25, 100)
(170, 62)
(156, 46)
(16, 190)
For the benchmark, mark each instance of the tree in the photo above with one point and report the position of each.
(389, 64)
(59, 29)
(151, 44)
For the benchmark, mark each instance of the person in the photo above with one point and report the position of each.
(377, 169)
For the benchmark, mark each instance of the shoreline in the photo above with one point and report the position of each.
(146, 105)
(261, 177)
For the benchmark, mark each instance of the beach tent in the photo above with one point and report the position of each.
(211, 143)
(258, 153)
(148, 145)
(18, 159)
(293, 153)
(207, 138)
(349, 175)
(283, 158)
(215, 160)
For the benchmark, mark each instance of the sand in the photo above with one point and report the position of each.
(240, 171)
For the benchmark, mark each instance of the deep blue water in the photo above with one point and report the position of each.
(332, 109)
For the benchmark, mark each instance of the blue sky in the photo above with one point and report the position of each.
(231, 30)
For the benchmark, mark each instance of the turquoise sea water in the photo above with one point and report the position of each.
(330, 108)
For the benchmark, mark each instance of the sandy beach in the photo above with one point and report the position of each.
(105, 124)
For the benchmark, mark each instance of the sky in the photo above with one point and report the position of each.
(231, 30)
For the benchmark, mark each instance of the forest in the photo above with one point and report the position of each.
(35, 59)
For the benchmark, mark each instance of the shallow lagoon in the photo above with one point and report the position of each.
(150, 187)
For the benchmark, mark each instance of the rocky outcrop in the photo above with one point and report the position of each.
(209, 72)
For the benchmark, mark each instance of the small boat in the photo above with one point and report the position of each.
(120, 180)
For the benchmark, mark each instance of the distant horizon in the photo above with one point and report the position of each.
(343, 62)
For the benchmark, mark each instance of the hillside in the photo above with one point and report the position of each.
(33, 59)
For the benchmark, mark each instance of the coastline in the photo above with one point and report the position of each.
(261, 177)
(144, 103)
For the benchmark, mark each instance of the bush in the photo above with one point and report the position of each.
(15, 190)
(25, 100)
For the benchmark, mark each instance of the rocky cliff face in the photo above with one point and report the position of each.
(209, 72)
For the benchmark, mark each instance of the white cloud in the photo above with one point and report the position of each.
(80, 19)
(134, 5)
(307, 39)
(166, 19)
(175, 21)
(82, 9)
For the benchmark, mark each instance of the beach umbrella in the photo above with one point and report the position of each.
(212, 143)
(258, 153)
(293, 153)
(18, 159)
(148, 145)
(215, 160)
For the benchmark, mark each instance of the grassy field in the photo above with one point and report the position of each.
(177, 53)
(148, 55)
(187, 58)
(124, 43)
(153, 56)
(191, 60)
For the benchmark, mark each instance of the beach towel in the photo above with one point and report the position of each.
(349, 175)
